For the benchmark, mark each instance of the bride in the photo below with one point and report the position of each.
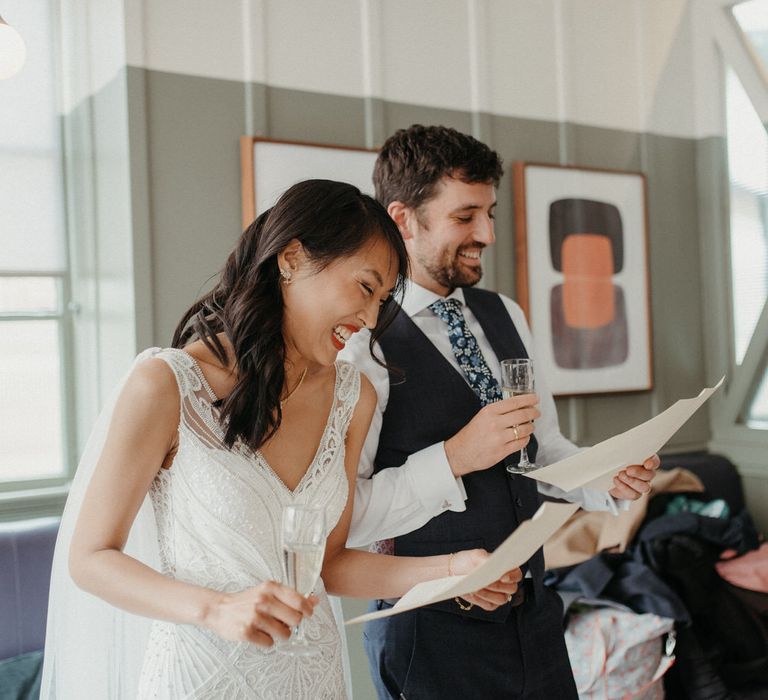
(166, 579)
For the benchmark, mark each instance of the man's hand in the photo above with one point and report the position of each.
(634, 481)
(497, 430)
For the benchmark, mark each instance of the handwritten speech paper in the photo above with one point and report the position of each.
(517, 549)
(596, 466)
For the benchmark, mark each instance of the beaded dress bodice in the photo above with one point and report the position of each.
(218, 514)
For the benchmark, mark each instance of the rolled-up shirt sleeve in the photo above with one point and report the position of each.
(395, 501)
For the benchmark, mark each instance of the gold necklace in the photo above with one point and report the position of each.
(295, 389)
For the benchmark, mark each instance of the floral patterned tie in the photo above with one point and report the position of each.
(467, 351)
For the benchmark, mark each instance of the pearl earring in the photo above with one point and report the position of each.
(286, 275)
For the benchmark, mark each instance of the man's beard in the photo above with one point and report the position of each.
(449, 274)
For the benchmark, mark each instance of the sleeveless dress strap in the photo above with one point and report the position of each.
(347, 394)
(189, 376)
(196, 398)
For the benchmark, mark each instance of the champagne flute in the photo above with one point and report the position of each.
(517, 379)
(303, 535)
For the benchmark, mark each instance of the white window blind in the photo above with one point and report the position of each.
(33, 259)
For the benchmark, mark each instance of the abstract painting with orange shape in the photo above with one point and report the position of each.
(589, 320)
(582, 275)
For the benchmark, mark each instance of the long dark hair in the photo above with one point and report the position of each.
(331, 220)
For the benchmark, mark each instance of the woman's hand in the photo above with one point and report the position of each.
(496, 594)
(259, 615)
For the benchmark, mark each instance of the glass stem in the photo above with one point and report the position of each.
(298, 632)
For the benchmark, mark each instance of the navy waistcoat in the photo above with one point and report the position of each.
(431, 403)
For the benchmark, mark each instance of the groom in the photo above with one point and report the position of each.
(432, 477)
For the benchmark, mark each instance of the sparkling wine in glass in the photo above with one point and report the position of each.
(517, 379)
(303, 549)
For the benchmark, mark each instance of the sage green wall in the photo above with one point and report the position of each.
(191, 159)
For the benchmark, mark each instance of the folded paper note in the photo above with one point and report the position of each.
(517, 549)
(596, 466)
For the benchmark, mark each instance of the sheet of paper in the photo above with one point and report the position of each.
(517, 549)
(597, 466)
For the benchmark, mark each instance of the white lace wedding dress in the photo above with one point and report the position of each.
(218, 518)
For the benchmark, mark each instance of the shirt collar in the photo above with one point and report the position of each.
(417, 298)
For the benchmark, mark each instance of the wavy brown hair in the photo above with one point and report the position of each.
(412, 161)
(332, 220)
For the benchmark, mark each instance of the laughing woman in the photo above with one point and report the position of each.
(166, 576)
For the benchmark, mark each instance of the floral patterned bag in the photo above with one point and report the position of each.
(619, 655)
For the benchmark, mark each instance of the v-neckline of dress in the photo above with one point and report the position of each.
(318, 451)
(258, 454)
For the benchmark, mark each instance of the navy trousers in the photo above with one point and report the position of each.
(428, 654)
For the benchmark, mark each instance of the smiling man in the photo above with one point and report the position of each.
(432, 477)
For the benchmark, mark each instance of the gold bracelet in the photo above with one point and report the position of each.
(469, 605)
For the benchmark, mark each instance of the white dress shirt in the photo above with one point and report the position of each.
(397, 501)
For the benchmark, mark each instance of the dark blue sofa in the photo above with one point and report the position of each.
(26, 553)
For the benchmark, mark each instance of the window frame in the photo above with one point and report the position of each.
(721, 45)
(43, 496)
(759, 63)
(739, 58)
(46, 495)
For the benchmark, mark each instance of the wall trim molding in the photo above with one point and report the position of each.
(749, 459)
(33, 503)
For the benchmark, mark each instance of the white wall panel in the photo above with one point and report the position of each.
(601, 67)
(522, 42)
(195, 37)
(134, 32)
(315, 46)
(621, 64)
(425, 52)
(255, 45)
(92, 47)
(708, 107)
(667, 66)
(107, 31)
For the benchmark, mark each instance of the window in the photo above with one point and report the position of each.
(757, 417)
(747, 143)
(35, 357)
(752, 18)
(747, 164)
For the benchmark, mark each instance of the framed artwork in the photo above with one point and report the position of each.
(269, 167)
(581, 247)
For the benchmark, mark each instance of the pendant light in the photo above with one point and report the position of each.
(13, 51)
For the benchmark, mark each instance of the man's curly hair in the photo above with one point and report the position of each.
(413, 160)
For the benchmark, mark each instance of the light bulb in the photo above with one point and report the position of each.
(13, 51)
